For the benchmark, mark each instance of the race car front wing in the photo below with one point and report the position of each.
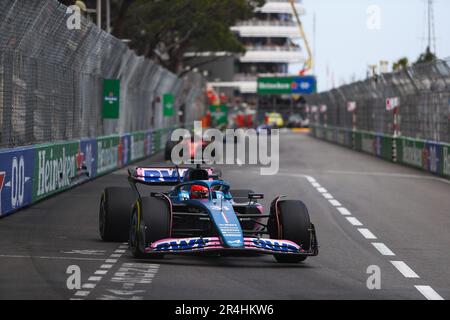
(213, 244)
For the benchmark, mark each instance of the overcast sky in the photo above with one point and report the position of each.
(345, 45)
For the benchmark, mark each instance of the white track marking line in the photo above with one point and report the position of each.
(429, 293)
(101, 272)
(111, 260)
(344, 211)
(82, 293)
(354, 221)
(404, 269)
(367, 233)
(327, 196)
(335, 203)
(383, 249)
(95, 278)
(322, 190)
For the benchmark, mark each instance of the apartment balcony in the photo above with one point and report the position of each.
(272, 54)
(281, 6)
(267, 29)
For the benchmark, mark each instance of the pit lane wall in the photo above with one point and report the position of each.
(30, 174)
(430, 156)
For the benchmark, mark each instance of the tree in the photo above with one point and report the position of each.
(428, 56)
(165, 30)
(401, 64)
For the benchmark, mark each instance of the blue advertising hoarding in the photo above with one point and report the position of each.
(16, 179)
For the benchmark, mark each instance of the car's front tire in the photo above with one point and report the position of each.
(114, 214)
(295, 226)
(150, 222)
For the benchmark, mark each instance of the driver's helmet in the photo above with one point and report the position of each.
(199, 192)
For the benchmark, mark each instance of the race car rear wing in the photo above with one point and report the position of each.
(164, 176)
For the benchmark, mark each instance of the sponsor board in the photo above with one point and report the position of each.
(124, 150)
(109, 150)
(368, 143)
(138, 146)
(329, 135)
(56, 166)
(148, 143)
(16, 179)
(421, 154)
(445, 160)
(88, 154)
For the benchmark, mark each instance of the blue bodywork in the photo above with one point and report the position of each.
(219, 206)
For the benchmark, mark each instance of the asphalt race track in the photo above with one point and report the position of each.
(352, 199)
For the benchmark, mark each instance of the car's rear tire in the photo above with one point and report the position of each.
(295, 226)
(114, 215)
(154, 225)
(240, 196)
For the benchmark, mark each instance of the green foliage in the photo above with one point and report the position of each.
(425, 57)
(164, 30)
(401, 64)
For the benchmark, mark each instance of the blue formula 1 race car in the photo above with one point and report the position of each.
(200, 213)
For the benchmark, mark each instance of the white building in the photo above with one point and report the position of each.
(271, 39)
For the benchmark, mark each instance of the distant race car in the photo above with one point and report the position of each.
(202, 214)
(194, 145)
(275, 119)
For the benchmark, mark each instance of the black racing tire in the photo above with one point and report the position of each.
(114, 214)
(240, 196)
(154, 225)
(296, 225)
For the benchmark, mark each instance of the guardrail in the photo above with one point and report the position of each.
(430, 156)
(31, 174)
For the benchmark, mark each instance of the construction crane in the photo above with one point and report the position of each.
(308, 66)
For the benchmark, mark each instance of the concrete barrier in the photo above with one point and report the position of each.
(430, 156)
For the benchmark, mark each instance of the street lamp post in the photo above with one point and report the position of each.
(99, 13)
(108, 16)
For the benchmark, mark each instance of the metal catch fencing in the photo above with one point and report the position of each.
(422, 93)
(51, 79)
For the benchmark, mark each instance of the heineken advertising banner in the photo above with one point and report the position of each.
(219, 115)
(287, 85)
(56, 166)
(111, 98)
(168, 105)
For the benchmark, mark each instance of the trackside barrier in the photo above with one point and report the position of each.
(430, 156)
(30, 174)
